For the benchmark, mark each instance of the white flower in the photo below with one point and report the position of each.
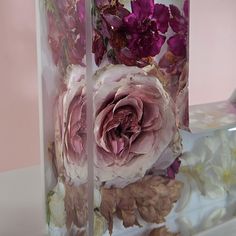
(56, 206)
(224, 162)
(212, 163)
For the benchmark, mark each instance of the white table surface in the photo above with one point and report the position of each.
(21, 203)
(21, 206)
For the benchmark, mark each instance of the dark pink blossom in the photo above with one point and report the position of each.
(144, 27)
(134, 37)
(179, 23)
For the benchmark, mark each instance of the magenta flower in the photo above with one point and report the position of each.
(179, 24)
(144, 27)
(134, 37)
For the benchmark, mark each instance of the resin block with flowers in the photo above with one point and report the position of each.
(115, 95)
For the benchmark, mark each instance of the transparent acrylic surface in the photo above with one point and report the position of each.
(208, 173)
(114, 78)
(63, 81)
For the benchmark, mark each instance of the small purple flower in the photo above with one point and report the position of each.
(179, 24)
(145, 27)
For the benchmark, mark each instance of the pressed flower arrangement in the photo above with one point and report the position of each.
(115, 104)
(118, 155)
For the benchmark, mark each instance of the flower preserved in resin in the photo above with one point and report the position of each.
(68, 209)
(133, 38)
(70, 127)
(150, 198)
(145, 27)
(134, 122)
(179, 24)
(66, 31)
(212, 164)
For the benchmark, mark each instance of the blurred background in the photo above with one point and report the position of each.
(212, 71)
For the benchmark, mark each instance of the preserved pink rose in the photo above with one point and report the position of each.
(70, 128)
(134, 122)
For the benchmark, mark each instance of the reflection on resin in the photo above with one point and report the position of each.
(140, 102)
(67, 203)
(66, 31)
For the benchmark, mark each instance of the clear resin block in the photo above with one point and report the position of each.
(208, 172)
(114, 89)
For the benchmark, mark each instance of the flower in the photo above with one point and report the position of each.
(133, 38)
(134, 122)
(224, 162)
(151, 198)
(179, 24)
(108, 28)
(144, 26)
(76, 205)
(70, 127)
(211, 163)
(67, 208)
(174, 63)
(56, 206)
(174, 60)
(66, 31)
(172, 152)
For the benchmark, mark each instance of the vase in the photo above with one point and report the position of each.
(114, 92)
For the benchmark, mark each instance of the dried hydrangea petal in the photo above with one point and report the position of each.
(152, 198)
(76, 205)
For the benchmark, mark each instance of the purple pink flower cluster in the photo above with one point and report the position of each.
(135, 37)
(175, 57)
(66, 31)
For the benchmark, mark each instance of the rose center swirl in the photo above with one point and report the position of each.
(125, 128)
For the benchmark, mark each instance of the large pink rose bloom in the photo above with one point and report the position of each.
(70, 128)
(134, 123)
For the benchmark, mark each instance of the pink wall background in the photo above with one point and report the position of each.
(19, 135)
(212, 76)
(212, 50)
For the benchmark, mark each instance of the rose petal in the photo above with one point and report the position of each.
(142, 8)
(177, 45)
(161, 13)
(143, 143)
